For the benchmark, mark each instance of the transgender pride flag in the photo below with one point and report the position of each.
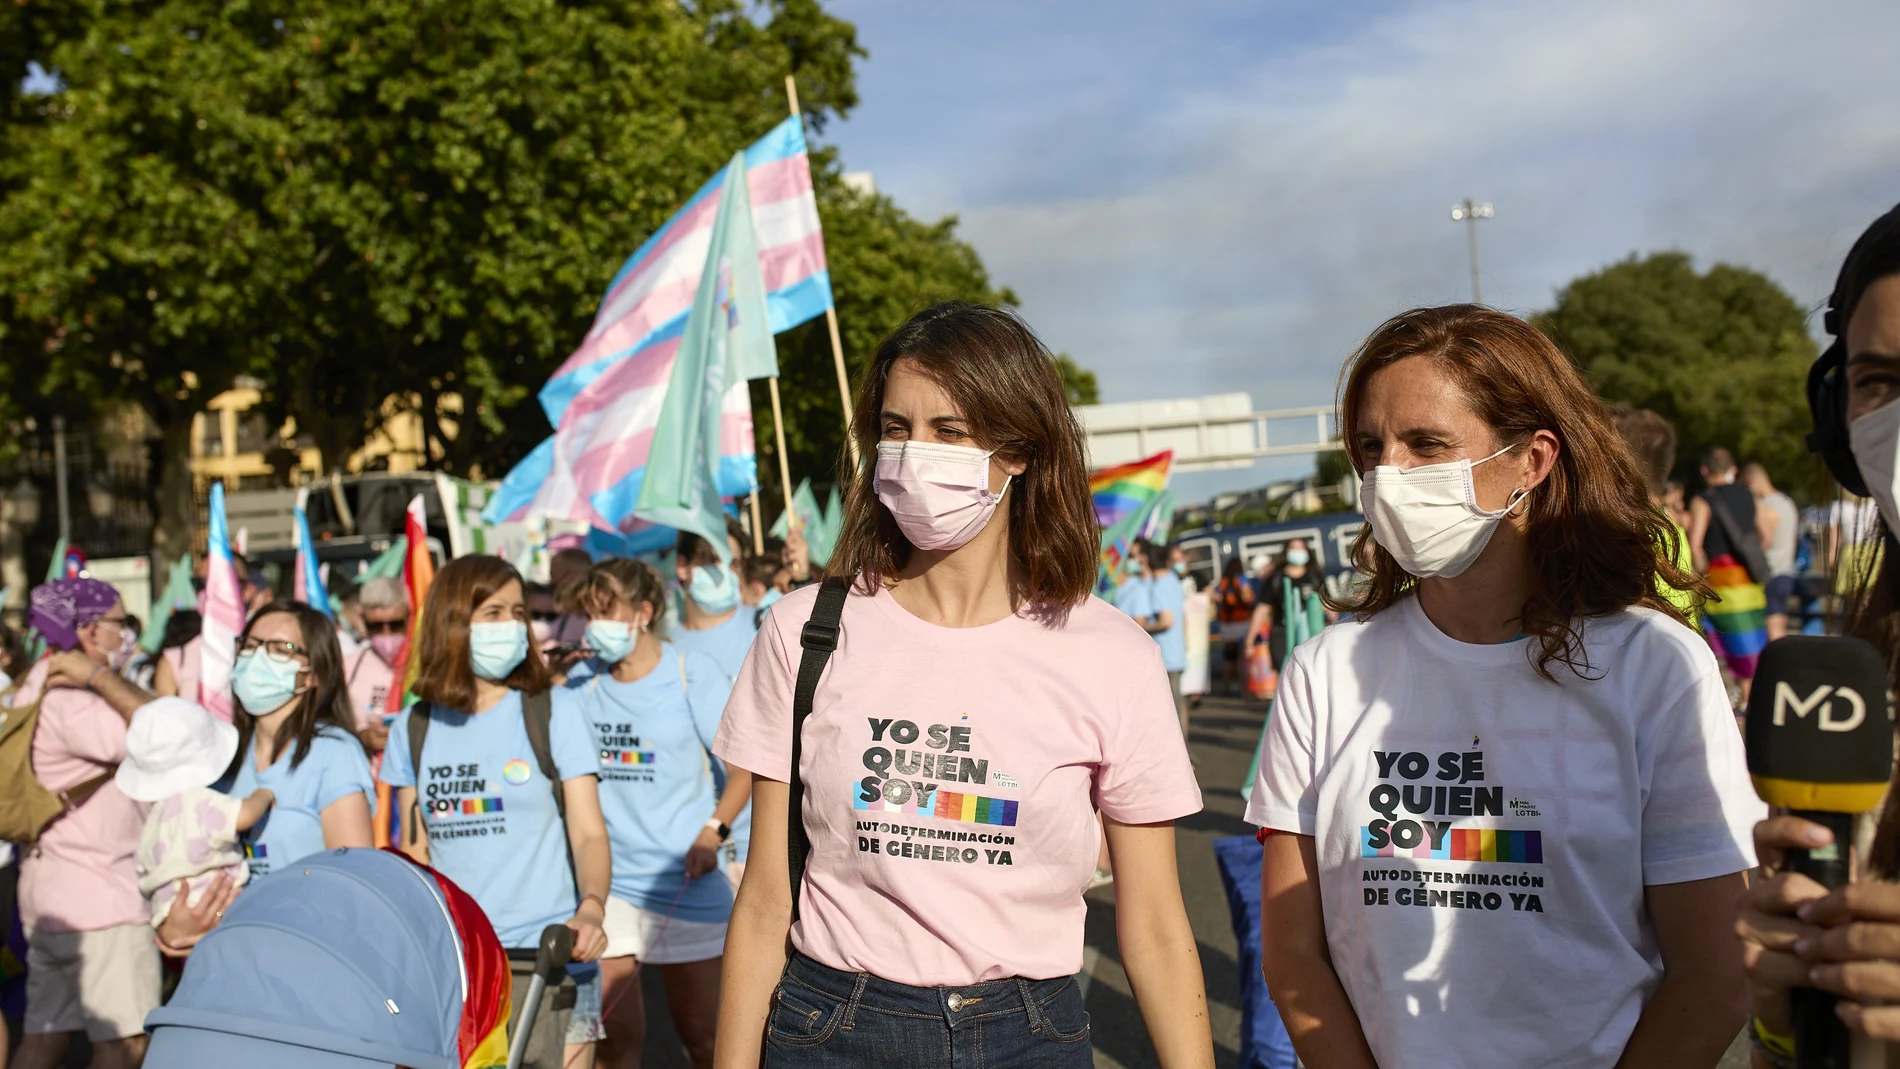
(223, 614)
(605, 399)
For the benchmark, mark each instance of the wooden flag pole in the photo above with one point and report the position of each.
(784, 464)
(831, 323)
(758, 532)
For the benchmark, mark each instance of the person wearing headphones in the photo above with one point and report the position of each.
(1794, 932)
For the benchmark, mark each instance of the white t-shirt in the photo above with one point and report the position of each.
(1780, 552)
(1484, 835)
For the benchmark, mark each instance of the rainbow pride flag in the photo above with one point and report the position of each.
(627, 757)
(948, 805)
(1126, 489)
(1736, 619)
(473, 806)
(1502, 845)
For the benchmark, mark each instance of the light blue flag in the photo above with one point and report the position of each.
(177, 595)
(309, 575)
(728, 339)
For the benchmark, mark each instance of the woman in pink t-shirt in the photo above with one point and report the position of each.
(979, 710)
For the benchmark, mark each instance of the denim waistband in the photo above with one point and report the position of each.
(862, 990)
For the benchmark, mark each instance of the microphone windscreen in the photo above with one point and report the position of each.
(1820, 725)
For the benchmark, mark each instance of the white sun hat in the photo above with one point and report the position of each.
(172, 746)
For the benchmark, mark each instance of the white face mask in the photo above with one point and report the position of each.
(1875, 441)
(1428, 517)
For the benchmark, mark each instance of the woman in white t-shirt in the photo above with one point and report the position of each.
(1506, 805)
(978, 712)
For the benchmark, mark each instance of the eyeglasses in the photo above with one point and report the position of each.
(277, 649)
(385, 627)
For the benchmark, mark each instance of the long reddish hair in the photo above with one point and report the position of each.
(1596, 545)
(1004, 381)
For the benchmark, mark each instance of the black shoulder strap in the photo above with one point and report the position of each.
(419, 720)
(819, 639)
(537, 715)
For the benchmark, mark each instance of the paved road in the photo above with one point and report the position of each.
(1221, 740)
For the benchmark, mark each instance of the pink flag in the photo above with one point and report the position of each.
(223, 615)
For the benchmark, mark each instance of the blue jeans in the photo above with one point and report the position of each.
(826, 1019)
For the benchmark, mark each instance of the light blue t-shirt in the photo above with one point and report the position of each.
(490, 814)
(292, 829)
(727, 645)
(654, 737)
(1132, 597)
(1166, 594)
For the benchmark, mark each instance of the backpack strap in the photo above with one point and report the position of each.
(421, 715)
(537, 714)
(819, 639)
(73, 797)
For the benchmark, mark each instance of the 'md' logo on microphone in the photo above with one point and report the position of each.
(1820, 726)
(1839, 708)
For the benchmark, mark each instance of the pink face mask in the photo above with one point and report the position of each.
(386, 647)
(939, 494)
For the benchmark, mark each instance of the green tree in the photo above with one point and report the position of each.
(1077, 381)
(363, 199)
(1723, 354)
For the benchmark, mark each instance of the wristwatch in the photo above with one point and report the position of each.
(724, 831)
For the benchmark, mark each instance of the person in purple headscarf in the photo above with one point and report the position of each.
(91, 963)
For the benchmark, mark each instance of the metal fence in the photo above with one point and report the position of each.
(111, 498)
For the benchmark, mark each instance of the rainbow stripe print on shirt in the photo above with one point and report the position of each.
(475, 806)
(255, 851)
(947, 805)
(626, 757)
(1465, 844)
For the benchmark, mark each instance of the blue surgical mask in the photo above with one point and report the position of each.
(264, 684)
(497, 648)
(771, 595)
(714, 588)
(611, 639)
(1297, 557)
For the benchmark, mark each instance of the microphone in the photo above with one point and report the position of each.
(1820, 743)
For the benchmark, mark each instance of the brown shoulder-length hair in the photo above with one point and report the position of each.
(1004, 381)
(446, 675)
(1596, 545)
(621, 579)
(327, 702)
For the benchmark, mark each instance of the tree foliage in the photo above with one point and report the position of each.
(1078, 382)
(1722, 354)
(359, 200)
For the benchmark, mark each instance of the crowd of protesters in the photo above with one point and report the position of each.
(172, 811)
(1520, 694)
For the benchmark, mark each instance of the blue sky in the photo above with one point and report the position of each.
(1202, 197)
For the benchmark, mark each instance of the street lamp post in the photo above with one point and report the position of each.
(1469, 213)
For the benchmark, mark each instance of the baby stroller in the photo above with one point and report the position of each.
(351, 959)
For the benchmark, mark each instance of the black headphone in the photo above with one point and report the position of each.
(1827, 404)
(1873, 255)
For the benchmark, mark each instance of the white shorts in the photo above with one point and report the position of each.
(101, 983)
(657, 939)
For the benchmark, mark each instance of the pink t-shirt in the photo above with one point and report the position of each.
(81, 876)
(369, 680)
(952, 777)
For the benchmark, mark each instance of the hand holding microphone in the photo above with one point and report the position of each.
(1820, 743)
